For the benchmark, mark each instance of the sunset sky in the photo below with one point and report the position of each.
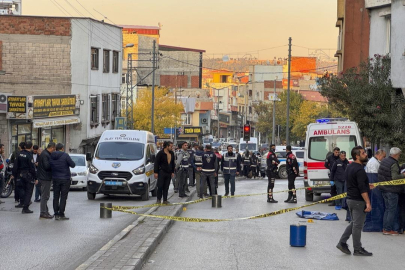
(223, 27)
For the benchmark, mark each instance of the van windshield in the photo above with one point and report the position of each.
(120, 151)
(250, 146)
(320, 147)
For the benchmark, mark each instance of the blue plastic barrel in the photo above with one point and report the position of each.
(298, 235)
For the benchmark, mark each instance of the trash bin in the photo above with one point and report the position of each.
(298, 235)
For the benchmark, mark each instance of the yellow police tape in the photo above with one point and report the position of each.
(274, 213)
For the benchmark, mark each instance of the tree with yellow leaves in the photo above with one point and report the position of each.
(167, 113)
(308, 112)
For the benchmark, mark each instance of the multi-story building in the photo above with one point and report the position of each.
(354, 33)
(10, 7)
(61, 79)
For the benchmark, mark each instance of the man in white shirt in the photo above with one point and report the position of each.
(374, 163)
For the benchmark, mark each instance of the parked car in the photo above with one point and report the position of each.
(79, 173)
(282, 157)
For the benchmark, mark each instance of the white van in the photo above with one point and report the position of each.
(251, 145)
(123, 163)
(321, 138)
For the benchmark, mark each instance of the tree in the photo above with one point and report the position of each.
(167, 113)
(308, 113)
(366, 95)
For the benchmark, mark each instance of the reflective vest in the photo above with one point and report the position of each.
(209, 159)
(191, 153)
(184, 164)
(198, 159)
(230, 163)
(246, 159)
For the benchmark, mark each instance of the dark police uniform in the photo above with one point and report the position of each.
(182, 167)
(272, 163)
(292, 171)
(253, 166)
(330, 160)
(190, 168)
(209, 167)
(230, 165)
(201, 185)
(246, 164)
(25, 174)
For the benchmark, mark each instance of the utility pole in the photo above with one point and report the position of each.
(129, 98)
(153, 86)
(287, 132)
(273, 136)
(218, 113)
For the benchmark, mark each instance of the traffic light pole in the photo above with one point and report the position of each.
(287, 131)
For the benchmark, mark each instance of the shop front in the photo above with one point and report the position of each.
(191, 134)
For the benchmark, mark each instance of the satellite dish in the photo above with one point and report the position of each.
(225, 58)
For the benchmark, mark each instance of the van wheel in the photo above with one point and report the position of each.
(309, 196)
(145, 196)
(91, 196)
(282, 172)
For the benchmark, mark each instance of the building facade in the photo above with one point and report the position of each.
(61, 79)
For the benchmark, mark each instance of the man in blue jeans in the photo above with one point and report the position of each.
(230, 166)
(389, 170)
(60, 164)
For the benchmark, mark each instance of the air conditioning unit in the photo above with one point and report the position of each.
(204, 121)
(3, 102)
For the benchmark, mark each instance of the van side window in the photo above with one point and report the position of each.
(147, 154)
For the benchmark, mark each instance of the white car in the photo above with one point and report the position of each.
(80, 173)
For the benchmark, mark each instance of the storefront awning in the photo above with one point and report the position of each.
(57, 121)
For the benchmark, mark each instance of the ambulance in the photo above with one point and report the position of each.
(123, 163)
(321, 138)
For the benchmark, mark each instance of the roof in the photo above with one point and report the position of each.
(139, 27)
(61, 17)
(313, 96)
(174, 48)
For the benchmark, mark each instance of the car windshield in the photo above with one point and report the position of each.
(79, 160)
(120, 151)
(249, 146)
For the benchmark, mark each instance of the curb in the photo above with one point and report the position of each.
(143, 257)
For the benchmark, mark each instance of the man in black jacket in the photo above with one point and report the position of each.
(272, 163)
(337, 176)
(164, 171)
(389, 170)
(358, 202)
(44, 175)
(60, 166)
(330, 160)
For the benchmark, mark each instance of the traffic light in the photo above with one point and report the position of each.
(246, 133)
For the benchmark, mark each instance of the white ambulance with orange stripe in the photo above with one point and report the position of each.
(321, 138)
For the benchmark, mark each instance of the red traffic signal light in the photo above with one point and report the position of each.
(247, 128)
(246, 132)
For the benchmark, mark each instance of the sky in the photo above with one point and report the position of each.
(221, 27)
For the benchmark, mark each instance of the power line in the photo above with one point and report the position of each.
(259, 50)
(320, 68)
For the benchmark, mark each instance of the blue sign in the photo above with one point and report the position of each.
(120, 123)
(169, 130)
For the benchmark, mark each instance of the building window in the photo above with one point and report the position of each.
(114, 106)
(250, 93)
(224, 78)
(106, 108)
(115, 62)
(388, 41)
(106, 61)
(124, 78)
(250, 110)
(186, 119)
(94, 58)
(94, 110)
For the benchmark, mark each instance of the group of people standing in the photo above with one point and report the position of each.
(251, 164)
(33, 167)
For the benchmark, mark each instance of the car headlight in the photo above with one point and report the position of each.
(93, 169)
(82, 173)
(139, 170)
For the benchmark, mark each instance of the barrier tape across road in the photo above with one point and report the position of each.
(125, 209)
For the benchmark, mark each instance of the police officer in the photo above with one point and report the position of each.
(292, 171)
(209, 168)
(190, 168)
(330, 160)
(24, 171)
(230, 165)
(182, 166)
(246, 163)
(272, 163)
(197, 163)
(253, 166)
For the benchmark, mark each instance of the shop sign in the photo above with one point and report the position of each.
(16, 104)
(54, 106)
(56, 122)
(192, 130)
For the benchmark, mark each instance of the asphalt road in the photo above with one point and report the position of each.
(264, 243)
(26, 242)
